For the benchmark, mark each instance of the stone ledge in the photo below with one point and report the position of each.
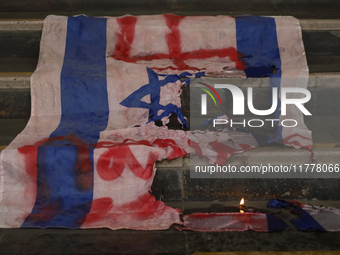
(22, 80)
(306, 25)
(178, 162)
(276, 156)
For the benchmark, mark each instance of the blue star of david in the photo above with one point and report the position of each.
(153, 88)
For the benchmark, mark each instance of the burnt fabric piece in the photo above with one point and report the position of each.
(310, 217)
(318, 218)
(86, 158)
(279, 203)
(232, 222)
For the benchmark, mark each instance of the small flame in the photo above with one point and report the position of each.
(242, 201)
(241, 211)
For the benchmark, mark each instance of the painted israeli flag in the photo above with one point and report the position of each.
(81, 162)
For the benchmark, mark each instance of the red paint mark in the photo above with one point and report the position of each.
(144, 207)
(169, 143)
(125, 37)
(111, 163)
(83, 159)
(30, 153)
(173, 39)
(99, 210)
(137, 169)
(224, 152)
(83, 179)
(196, 147)
(30, 157)
(45, 213)
(297, 143)
(233, 222)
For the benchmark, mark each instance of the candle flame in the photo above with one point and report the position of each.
(241, 211)
(242, 201)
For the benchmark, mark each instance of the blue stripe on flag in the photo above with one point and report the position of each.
(65, 161)
(306, 222)
(258, 47)
(275, 223)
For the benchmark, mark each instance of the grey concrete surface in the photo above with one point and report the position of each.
(37, 25)
(40, 8)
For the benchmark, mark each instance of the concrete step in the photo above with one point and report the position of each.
(301, 9)
(19, 44)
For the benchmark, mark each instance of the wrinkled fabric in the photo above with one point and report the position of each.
(80, 162)
(317, 218)
(311, 217)
(279, 203)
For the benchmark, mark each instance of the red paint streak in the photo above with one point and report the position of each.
(30, 157)
(99, 210)
(45, 213)
(83, 160)
(111, 163)
(286, 141)
(173, 39)
(125, 37)
(30, 153)
(83, 179)
(196, 147)
(165, 143)
(224, 152)
(237, 222)
(144, 207)
(137, 169)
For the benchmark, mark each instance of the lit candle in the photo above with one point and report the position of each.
(242, 206)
